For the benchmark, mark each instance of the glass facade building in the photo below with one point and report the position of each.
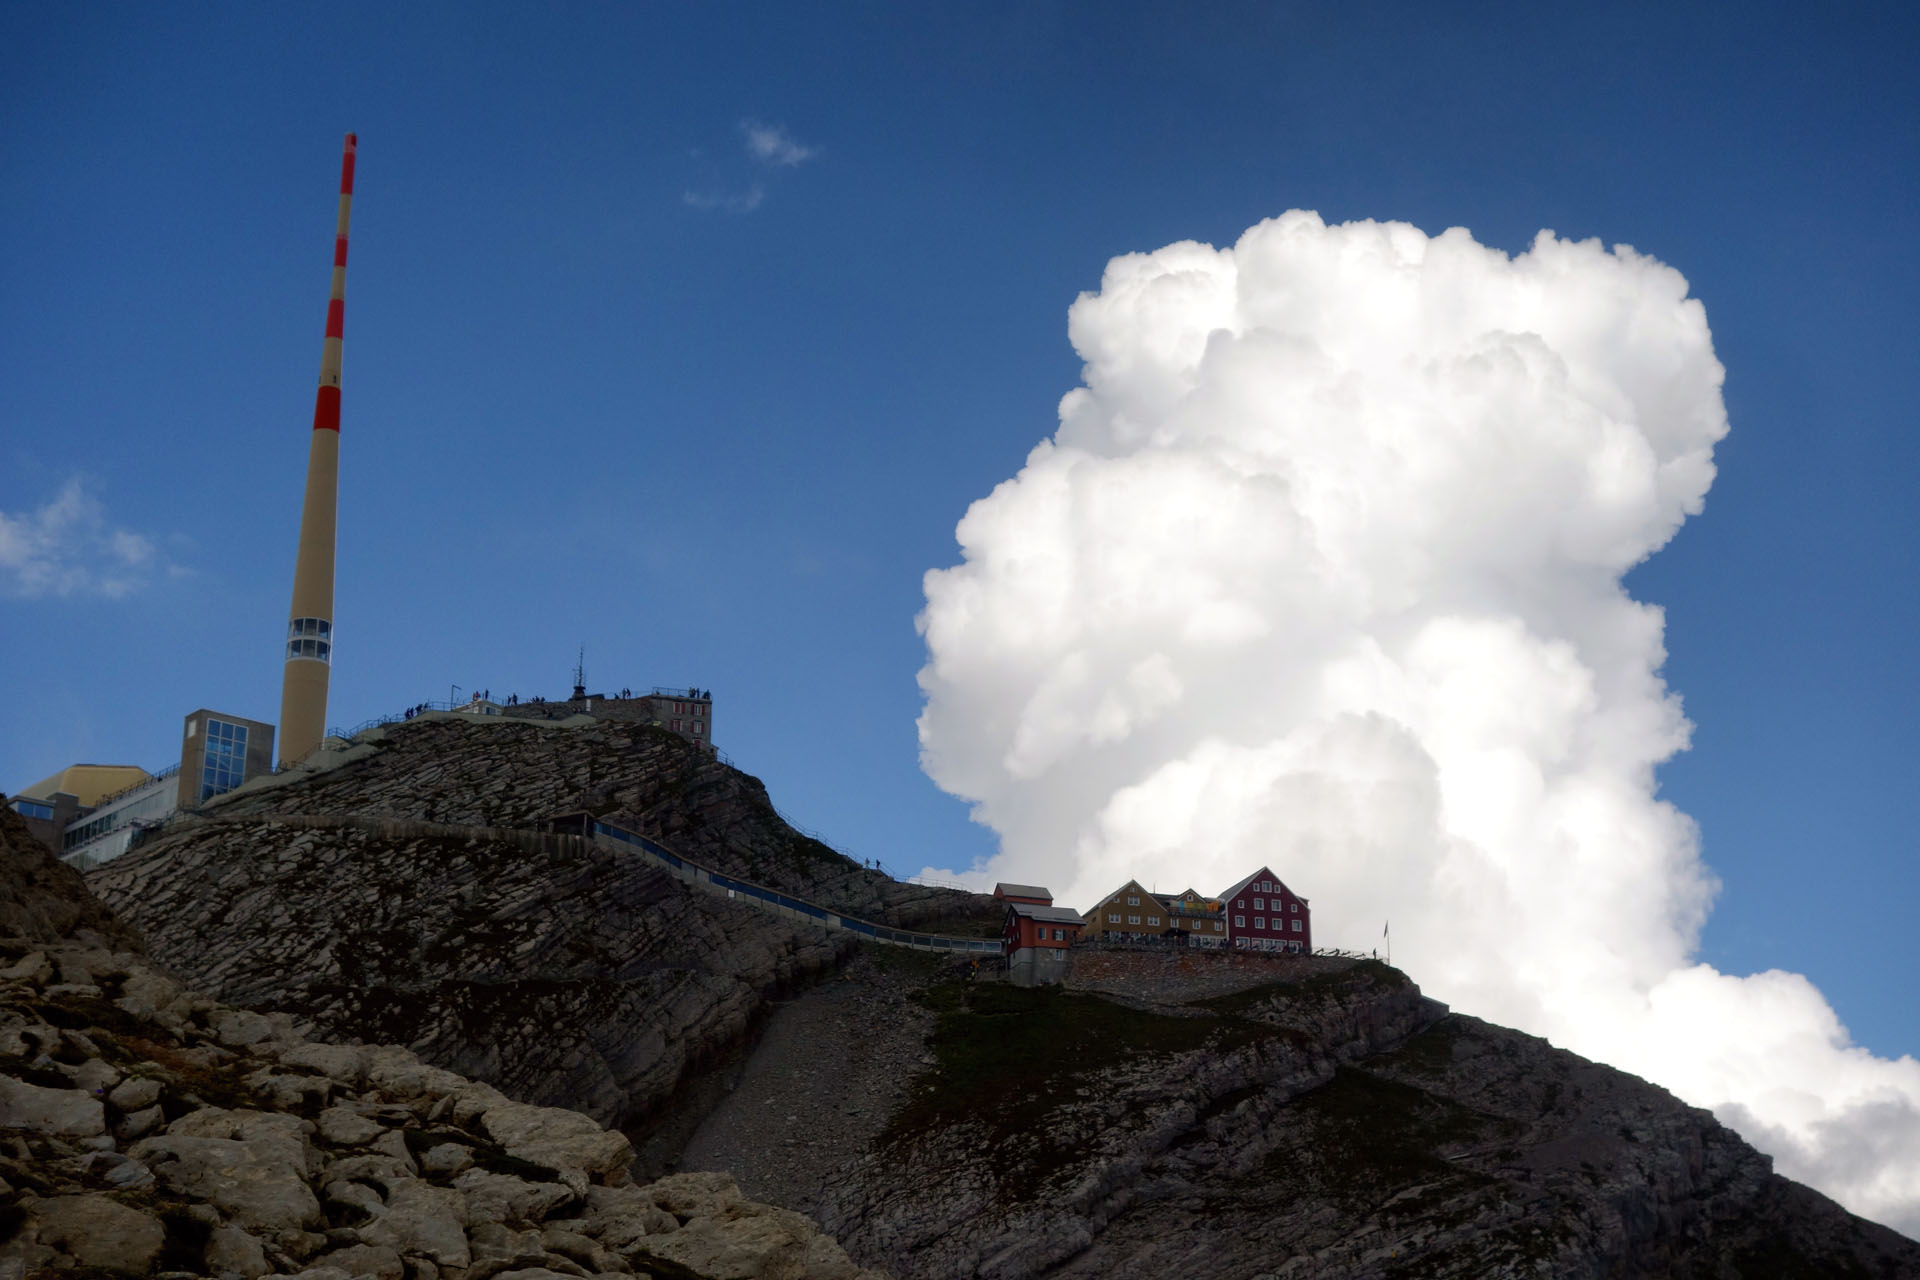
(225, 766)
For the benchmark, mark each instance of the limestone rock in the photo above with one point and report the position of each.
(229, 1249)
(344, 1127)
(425, 1219)
(100, 1232)
(136, 1093)
(67, 1113)
(252, 1182)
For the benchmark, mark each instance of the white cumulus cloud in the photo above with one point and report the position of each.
(68, 547)
(1322, 569)
(772, 144)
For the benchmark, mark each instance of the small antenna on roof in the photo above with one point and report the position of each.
(580, 676)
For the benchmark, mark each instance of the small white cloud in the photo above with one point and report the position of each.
(772, 144)
(727, 202)
(67, 548)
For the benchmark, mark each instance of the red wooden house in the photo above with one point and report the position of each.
(1264, 915)
(1036, 939)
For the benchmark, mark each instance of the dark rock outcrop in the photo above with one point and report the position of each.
(1323, 1125)
(42, 899)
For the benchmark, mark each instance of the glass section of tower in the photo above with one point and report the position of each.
(226, 762)
(310, 638)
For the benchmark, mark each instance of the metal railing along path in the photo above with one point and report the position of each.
(774, 900)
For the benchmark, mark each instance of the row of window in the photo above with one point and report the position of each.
(310, 627)
(1153, 922)
(32, 809)
(1260, 922)
(693, 727)
(310, 648)
(1260, 904)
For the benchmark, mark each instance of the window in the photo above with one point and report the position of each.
(1239, 922)
(1217, 926)
(1240, 903)
(1259, 904)
(310, 638)
(1133, 919)
(1259, 922)
(1296, 926)
(1293, 906)
(1113, 917)
(1059, 935)
(32, 809)
(1266, 885)
(1133, 900)
(1153, 922)
(225, 765)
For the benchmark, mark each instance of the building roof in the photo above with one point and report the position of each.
(1237, 889)
(1046, 915)
(1134, 885)
(88, 783)
(1004, 890)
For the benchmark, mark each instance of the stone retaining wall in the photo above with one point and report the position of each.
(1181, 975)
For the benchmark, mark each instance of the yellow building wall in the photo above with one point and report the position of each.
(89, 783)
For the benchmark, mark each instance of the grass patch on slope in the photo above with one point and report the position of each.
(1363, 1139)
(1007, 1056)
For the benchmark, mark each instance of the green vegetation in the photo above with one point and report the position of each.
(1428, 1053)
(1008, 1056)
(1362, 1137)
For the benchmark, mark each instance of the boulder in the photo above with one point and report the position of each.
(559, 1140)
(135, 1093)
(254, 1183)
(229, 1249)
(422, 1218)
(99, 1232)
(64, 1113)
(360, 1260)
(344, 1127)
(498, 1197)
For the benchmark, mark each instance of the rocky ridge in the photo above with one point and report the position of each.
(1329, 1122)
(144, 1127)
(404, 897)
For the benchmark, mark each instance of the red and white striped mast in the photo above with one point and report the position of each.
(309, 655)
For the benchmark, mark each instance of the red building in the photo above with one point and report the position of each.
(1264, 915)
(1029, 893)
(1036, 939)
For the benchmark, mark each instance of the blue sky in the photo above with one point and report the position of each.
(592, 397)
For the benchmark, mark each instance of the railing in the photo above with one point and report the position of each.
(774, 898)
(147, 781)
(661, 691)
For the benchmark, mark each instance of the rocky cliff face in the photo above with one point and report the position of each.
(144, 1129)
(563, 973)
(1327, 1122)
